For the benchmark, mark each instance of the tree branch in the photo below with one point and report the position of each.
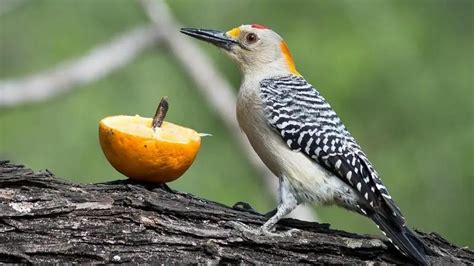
(96, 64)
(47, 220)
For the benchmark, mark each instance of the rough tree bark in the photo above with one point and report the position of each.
(45, 219)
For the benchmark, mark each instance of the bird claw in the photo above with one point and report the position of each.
(283, 234)
(243, 228)
(262, 231)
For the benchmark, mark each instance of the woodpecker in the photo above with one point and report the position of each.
(301, 139)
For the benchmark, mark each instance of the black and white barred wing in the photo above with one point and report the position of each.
(308, 124)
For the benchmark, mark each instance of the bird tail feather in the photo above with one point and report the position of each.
(403, 238)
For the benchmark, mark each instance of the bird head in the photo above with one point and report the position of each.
(256, 48)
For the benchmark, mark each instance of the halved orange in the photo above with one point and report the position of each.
(144, 153)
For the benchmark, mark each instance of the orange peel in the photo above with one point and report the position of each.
(145, 153)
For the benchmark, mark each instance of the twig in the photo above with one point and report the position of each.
(218, 92)
(95, 65)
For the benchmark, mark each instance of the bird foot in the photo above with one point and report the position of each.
(261, 231)
(243, 228)
(282, 234)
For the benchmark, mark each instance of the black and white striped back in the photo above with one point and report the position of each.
(307, 123)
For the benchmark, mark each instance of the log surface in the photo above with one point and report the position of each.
(44, 219)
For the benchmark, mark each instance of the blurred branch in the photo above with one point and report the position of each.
(7, 6)
(98, 63)
(218, 92)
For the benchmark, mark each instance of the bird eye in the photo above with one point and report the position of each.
(251, 38)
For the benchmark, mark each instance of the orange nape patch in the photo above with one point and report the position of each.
(288, 58)
(234, 33)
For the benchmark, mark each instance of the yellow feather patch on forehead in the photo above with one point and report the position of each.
(234, 33)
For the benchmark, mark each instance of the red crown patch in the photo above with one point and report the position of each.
(258, 26)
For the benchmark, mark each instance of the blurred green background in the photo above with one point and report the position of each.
(400, 75)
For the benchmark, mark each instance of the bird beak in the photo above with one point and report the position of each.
(218, 38)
